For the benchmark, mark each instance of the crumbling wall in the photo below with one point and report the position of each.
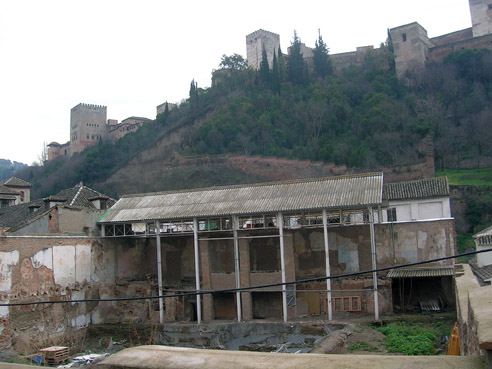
(409, 242)
(34, 269)
(474, 312)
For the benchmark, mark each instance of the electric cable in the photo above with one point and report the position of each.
(245, 289)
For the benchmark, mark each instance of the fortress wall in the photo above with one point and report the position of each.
(457, 36)
(437, 54)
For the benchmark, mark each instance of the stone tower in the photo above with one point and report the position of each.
(254, 46)
(411, 47)
(481, 15)
(87, 126)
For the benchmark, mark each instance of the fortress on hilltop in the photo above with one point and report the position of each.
(413, 49)
(88, 125)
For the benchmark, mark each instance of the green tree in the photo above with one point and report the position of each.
(281, 65)
(234, 62)
(295, 62)
(321, 59)
(264, 68)
(193, 95)
(275, 77)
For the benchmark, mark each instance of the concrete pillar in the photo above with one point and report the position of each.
(327, 265)
(235, 222)
(159, 269)
(290, 269)
(208, 304)
(374, 264)
(197, 270)
(280, 225)
(246, 300)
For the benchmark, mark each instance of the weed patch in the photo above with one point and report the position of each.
(408, 339)
(362, 346)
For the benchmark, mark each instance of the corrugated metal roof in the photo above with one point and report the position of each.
(421, 272)
(419, 189)
(354, 191)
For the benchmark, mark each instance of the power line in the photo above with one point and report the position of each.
(246, 289)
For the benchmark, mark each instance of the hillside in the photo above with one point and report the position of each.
(9, 168)
(361, 119)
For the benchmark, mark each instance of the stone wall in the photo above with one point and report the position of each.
(438, 53)
(481, 14)
(474, 313)
(87, 126)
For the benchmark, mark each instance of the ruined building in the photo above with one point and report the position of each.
(220, 238)
(413, 49)
(89, 125)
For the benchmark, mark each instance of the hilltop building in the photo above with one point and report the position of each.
(89, 125)
(413, 49)
(256, 41)
(162, 107)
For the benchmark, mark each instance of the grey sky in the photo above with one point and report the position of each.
(134, 55)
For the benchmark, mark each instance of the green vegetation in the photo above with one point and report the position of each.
(361, 116)
(465, 244)
(409, 338)
(362, 346)
(467, 177)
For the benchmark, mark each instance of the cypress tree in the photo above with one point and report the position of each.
(193, 94)
(321, 59)
(295, 62)
(275, 75)
(281, 65)
(264, 68)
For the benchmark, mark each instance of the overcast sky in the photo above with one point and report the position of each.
(134, 55)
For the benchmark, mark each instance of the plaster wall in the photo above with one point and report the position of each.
(39, 226)
(484, 258)
(78, 221)
(61, 268)
(420, 209)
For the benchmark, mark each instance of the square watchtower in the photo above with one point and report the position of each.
(87, 126)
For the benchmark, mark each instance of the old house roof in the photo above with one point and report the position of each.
(16, 182)
(4, 190)
(78, 197)
(419, 189)
(484, 273)
(354, 191)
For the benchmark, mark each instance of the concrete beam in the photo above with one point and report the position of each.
(154, 357)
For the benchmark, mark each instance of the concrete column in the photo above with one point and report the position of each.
(208, 305)
(374, 265)
(103, 230)
(280, 225)
(327, 264)
(246, 301)
(159, 269)
(235, 222)
(290, 268)
(197, 271)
